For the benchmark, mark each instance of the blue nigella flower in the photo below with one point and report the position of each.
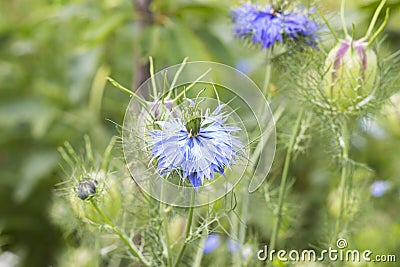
(243, 17)
(267, 26)
(298, 24)
(196, 147)
(379, 188)
(212, 243)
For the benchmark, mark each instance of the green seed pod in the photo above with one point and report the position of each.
(351, 73)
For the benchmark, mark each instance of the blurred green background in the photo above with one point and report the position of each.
(54, 58)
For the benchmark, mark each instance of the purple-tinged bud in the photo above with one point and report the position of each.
(351, 73)
(86, 188)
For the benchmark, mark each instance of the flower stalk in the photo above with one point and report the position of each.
(187, 232)
(124, 238)
(268, 70)
(344, 179)
(163, 212)
(285, 172)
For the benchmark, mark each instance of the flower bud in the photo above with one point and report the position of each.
(108, 197)
(86, 188)
(351, 73)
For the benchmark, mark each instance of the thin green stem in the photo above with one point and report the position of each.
(124, 238)
(139, 99)
(107, 154)
(265, 136)
(268, 70)
(237, 257)
(343, 179)
(89, 151)
(326, 21)
(153, 81)
(282, 190)
(97, 90)
(167, 242)
(163, 212)
(199, 252)
(234, 232)
(380, 29)
(191, 85)
(126, 90)
(171, 88)
(245, 214)
(342, 5)
(374, 19)
(187, 233)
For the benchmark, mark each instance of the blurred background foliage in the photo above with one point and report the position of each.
(54, 58)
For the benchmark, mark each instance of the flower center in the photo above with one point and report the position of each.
(193, 126)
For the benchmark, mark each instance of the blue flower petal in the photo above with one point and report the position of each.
(198, 157)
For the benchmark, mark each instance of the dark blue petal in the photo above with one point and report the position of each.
(195, 180)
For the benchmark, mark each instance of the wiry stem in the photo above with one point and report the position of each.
(163, 212)
(268, 70)
(342, 17)
(282, 190)
(380, 29)
(191, 85)
(327, 23)
(237, 257)
(124, 238)
(199, 253)
(152, 78)
(240, 229)
(343, 179)
(374, 19)
(200, 248)
(188, 230)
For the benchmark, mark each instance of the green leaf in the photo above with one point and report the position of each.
(185, 43)
(211, 10)
(149, 41)
(98, 32)
(37, 114)
(215, 46)
(35, 168)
